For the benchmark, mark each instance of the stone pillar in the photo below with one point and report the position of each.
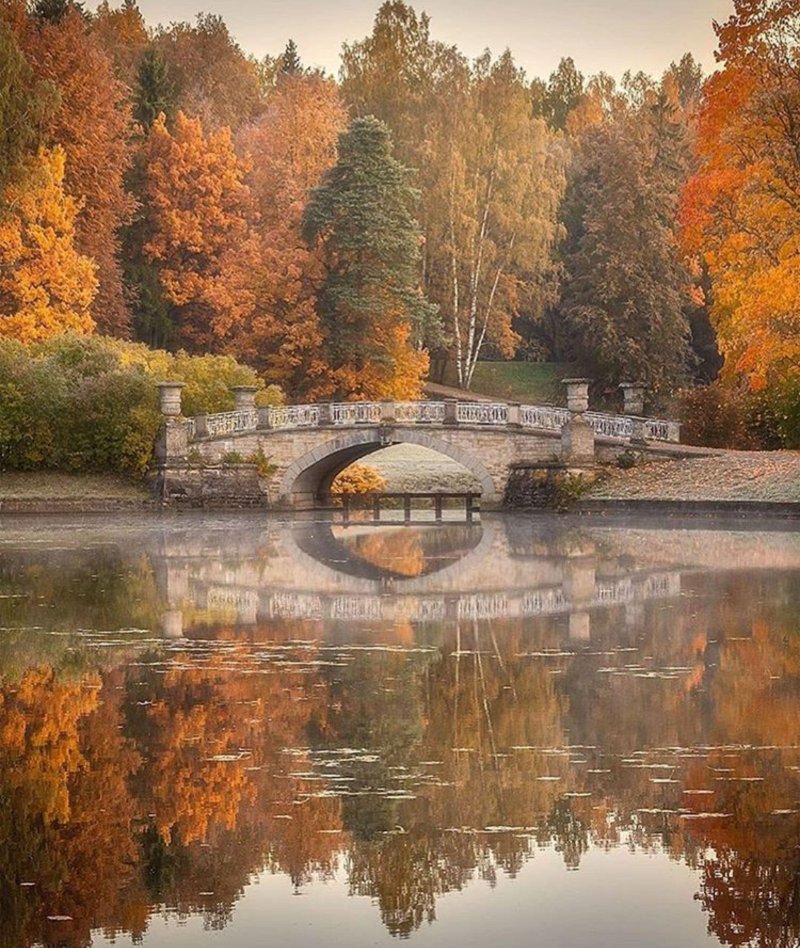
(580, 627)
(387, 413)
(577, 435)
(579, 585)
(579, 580)
(633, 396)
(173, 441)
(514, 418)
(451, 411)
(325, 415)
(172, 624)
(245, 396)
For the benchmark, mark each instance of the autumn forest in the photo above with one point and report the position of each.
(350, 237)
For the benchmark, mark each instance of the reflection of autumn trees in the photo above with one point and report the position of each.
(163, 782)
(414, 759)
(407, 551)
(66, 811)
(628, 739)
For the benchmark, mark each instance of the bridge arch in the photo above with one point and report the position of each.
(313, 472)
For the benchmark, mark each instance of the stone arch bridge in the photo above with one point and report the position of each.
(308, 445)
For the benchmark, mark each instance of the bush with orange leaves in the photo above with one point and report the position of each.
(358, 479)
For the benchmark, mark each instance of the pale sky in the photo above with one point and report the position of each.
(613, 35)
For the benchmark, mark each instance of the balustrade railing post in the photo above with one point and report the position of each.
(577, 435)
(388, 413)
(325, 415)
(265, 417)
(451, 411)
(201, 426)
(638, 431)
(514, 415)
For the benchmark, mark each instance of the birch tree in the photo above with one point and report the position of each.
(490, 175)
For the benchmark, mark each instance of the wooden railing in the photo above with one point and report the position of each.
(377, 504)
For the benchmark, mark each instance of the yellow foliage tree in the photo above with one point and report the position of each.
(46, 285)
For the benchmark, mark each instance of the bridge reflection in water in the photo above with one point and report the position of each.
(191, 705)
(320, 570)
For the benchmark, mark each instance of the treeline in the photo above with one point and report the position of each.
(427, 211)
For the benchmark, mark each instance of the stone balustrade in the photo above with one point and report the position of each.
(493, 415)
(559, 600)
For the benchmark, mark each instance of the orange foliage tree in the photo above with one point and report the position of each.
(740, 211)
(92, 124)
(288, 151)
(196, 224)
(214, 80)
(46, 285)
(123, 34)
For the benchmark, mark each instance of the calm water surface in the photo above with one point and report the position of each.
(239, 731)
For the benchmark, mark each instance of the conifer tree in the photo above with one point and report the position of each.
(290, 60)
(371, 305)
(155, 93)
(54, 10)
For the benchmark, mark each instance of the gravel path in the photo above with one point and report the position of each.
(733, 475)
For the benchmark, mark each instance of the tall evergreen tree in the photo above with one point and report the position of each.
(155, 93)
(371, 305)
(290, 60)
(54, 10)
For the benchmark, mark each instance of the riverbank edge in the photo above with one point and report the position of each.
(697, 508)
(596, 507)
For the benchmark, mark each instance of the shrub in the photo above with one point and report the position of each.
(358, 479)
(723, 416)
(83, 403)
(712, 417)
(265, 465)
(112, 424)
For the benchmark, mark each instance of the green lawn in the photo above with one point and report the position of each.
(526, 382)
(55, 486)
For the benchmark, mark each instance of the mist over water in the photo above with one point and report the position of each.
(239, 730)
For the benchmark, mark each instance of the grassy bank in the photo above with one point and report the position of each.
(53, 490)
(527, 382)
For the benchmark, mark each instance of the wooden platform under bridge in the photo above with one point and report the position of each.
(405, 508)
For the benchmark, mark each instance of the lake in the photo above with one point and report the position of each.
(241, 730)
